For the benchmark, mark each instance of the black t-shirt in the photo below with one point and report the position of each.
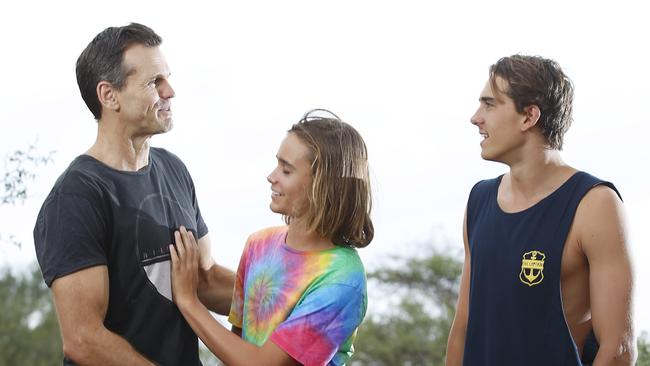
(96, 215)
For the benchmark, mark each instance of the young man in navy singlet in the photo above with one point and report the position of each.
(547, 278)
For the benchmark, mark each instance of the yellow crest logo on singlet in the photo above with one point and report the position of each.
(532, 268)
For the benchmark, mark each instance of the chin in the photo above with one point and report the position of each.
(162, 128)
(167, 126)
(275, 209)
(490, 158)
(487, 156)
(493, 158)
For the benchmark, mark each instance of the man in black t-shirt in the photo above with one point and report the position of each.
(103, 232)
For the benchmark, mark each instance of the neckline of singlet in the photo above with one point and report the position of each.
(538, 203)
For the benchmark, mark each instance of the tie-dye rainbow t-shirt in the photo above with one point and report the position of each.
(307, 303)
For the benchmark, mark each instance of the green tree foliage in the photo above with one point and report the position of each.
(29, 331)
(19, 171)
(643, 348)
(414, 330)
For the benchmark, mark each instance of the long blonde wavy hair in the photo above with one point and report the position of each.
(339, 195)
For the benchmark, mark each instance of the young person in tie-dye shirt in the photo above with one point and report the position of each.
(300, 292)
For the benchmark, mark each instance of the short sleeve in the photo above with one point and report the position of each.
(321, 323)
(235, 317)
(70, 235)
(201, 227)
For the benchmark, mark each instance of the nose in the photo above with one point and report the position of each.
(271, 177)
(476, 119)
(166, 91)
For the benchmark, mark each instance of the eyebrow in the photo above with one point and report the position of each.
(487, 99)
(159, 75)
(284, 162)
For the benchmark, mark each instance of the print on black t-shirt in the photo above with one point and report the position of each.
(152, 237)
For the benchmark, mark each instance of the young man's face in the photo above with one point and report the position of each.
(291, 178)
(499, 124)
(145, 99)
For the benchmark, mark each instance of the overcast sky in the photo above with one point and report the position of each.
(406, 74)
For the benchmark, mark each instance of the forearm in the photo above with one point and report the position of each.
(226, 345)
(622, 354)
(102, 347)
(455, 348)
(216, 287)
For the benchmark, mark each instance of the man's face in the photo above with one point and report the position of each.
(145, 99)
(499, 124)
(291, 178)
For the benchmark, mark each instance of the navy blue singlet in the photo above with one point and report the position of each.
(515, 301)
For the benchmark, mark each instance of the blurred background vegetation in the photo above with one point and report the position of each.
(414, 332)
(407, 326)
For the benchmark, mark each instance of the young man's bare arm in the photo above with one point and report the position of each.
(456, 341)
(603, 238)
(227, 345)
(216, 283)
(81, 300)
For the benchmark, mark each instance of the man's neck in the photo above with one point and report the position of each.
(300, 238)
(119, 148)
(535, 167)
(533, 178)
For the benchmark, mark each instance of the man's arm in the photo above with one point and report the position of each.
(81, 300)
(216, 283)
(603, 238)
(456, 341)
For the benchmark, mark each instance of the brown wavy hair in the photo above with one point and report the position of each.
(534, 80)
(339, 195)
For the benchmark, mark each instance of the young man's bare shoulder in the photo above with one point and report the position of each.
(600, 211)
(600, 200)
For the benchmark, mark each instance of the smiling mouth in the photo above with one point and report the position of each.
(164, 107)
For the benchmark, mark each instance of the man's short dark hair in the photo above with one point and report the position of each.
(534, 80)
(102, 60)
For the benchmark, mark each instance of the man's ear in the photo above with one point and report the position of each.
(532, 114)
(107, 95)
